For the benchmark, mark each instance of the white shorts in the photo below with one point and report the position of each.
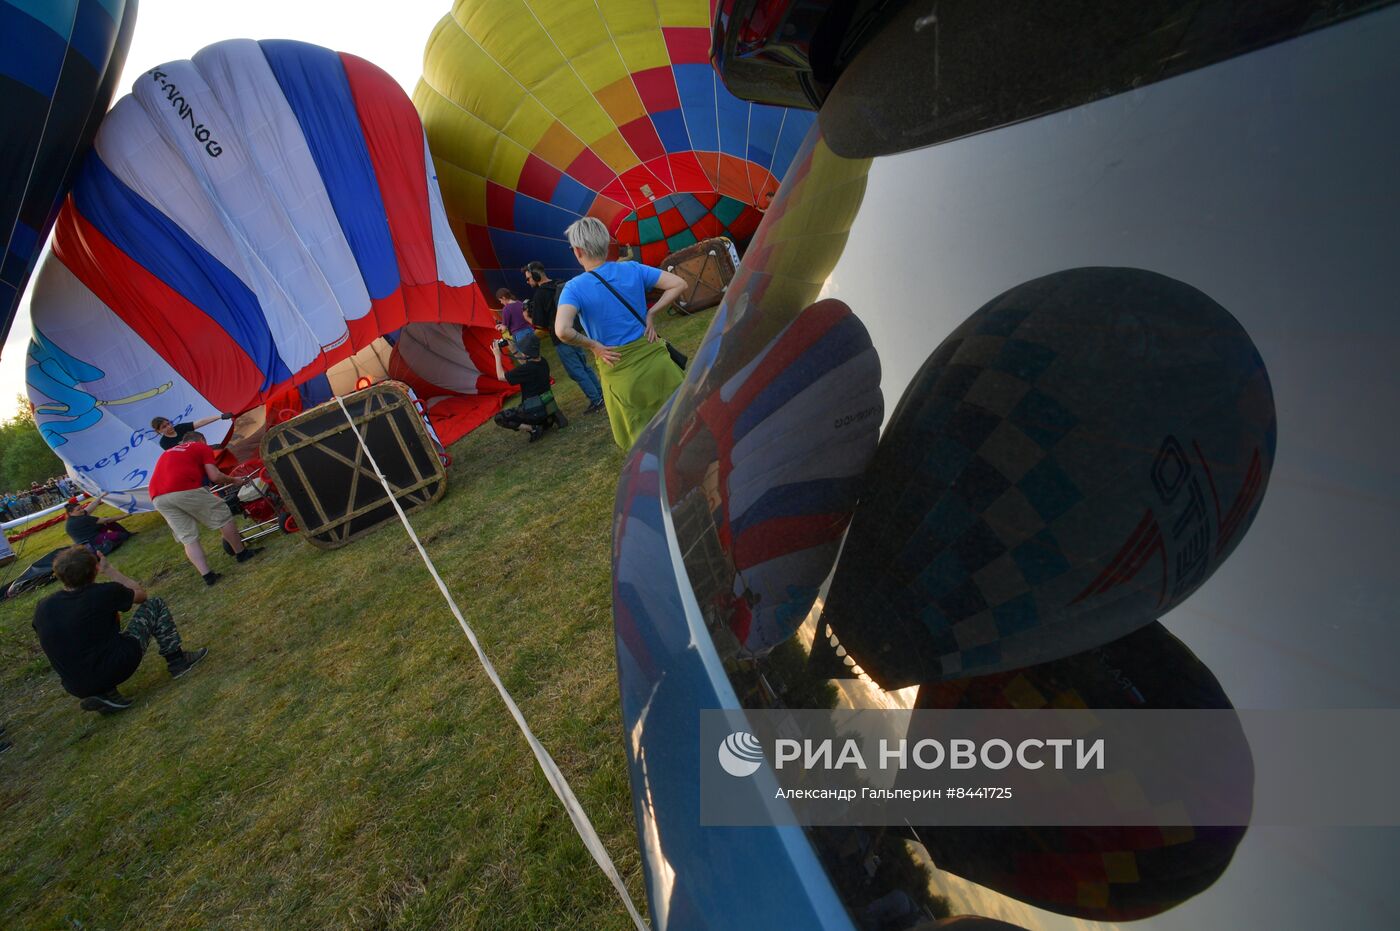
(184, 511)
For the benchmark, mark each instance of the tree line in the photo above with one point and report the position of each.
(24, 456)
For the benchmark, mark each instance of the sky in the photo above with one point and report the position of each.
(392, 35)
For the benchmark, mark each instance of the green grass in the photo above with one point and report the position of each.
(340, 759)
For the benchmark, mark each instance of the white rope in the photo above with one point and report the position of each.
(551, 770)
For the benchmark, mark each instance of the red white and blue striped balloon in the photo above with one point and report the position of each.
(246, 220)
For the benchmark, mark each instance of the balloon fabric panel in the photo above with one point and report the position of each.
(1070, 463)
(59, 63)
(546, 112)
(249, 218)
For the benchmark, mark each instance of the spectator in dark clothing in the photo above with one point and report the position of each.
(539, 310)
(531, 373)
(172, 434)
(513, 320)
(80, 630)
(104, 533)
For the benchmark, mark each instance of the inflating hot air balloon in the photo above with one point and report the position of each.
(544, 111)
(774, 456)
(1100, 873)
(247, 220)
(59, 63)
(1071, 463)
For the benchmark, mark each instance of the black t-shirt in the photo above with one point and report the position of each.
(80, 632)
(532, 377)
(170, 442)
(82, 528)
(542, 306)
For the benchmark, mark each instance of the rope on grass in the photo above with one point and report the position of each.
(556, 779)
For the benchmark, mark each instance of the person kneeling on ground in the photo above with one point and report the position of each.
(532, 375)
(177, 491)
(80, 630)
(104, 533)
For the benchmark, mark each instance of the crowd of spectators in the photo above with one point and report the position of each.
(25, 501)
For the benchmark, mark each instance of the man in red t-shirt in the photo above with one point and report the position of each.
(177, 490)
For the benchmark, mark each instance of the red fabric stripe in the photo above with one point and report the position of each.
(672, 222)
(810, 327)
(688, 45)
(617, 191)
(187, 338)
(483, 254)
(657, 88)
(1111, 575)
(394, 136)
(642, 137)
(686, 172)
(783, 535)
(707, 227)
(538, 178)
(500, 206)
(590, 170)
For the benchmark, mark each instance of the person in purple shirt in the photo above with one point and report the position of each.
(512, 314)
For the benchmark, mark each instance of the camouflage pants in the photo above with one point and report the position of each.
(152, 619)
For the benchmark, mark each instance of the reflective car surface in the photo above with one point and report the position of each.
(882, 486)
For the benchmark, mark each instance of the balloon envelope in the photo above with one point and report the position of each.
(1100, 873)
(540, 113)
(59, 63)
(247, 220)
(774, 456)
(1070, 463)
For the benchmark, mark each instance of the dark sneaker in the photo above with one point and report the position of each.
(536, 432)
(560, 421)
(109, 703)
(247, 554)
(182, 662)
(211, 577)
(595, 407)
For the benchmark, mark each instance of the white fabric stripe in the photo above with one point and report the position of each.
(246, 87)
(119, 450)
(435, 353)
(452, 266)
(213, 199)
(557, 782)
(220, 201)
(807, 438)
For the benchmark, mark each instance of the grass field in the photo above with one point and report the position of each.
(340, 760)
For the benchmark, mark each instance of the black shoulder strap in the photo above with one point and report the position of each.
(619, 297)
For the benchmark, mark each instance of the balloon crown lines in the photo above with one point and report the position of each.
(186, 111)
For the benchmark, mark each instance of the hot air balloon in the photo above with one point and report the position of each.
(1068, 465)
(774, 457)
(542, 112)
(247, 220)
(59, 63)
(1100, 873)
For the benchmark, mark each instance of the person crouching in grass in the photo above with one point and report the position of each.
(80, 630)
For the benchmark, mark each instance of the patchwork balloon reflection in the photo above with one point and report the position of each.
(1069, 464)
